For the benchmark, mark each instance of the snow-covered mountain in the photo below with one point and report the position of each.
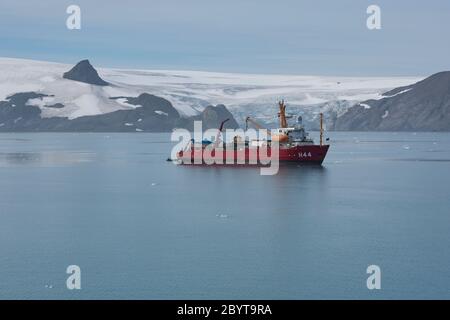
(423, 106)
(190, 92)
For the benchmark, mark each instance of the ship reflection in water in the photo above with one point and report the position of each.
(141, 227)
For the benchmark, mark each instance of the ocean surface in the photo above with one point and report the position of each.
(140, 227)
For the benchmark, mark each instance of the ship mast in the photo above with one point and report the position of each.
(321, 128)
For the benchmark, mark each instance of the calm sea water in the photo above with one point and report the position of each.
(141, 227)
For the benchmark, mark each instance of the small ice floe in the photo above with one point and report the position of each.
(365, 105)
(129, 124)
(40, 102)
(139, 120)
(154, 184)
(161, 113)
(49, 286)
(386, 113)
(18, 119)
(13, 105)
(222, 216)
(139, 130)
(406, 147)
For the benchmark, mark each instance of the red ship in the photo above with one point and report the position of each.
(294, 146)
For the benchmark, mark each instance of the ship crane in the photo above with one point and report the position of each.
(281, 137)
(254, 123)
(219, 132)
(282, 115)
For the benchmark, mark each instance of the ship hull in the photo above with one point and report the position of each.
(303, 154)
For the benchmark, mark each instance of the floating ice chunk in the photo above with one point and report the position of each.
(406, 147)
(139, 120)
(40, 102)
(161, 113)
(386, 113)
(222, 216)
(129, 124)
(154, 184)
(139, 130)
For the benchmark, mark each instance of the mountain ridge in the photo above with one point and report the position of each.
(16, 116)
(190, 92)
(422, 106)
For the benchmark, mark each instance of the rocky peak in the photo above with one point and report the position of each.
(83, 71)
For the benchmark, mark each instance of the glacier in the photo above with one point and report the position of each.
(190, 92)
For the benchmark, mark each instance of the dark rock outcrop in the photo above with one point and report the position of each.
(212, 117)
(152, 114)
(423, 106)
(153, 103)
(55, 106)
(83, 71)
(15, 113)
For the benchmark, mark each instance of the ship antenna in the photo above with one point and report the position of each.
(321, 128)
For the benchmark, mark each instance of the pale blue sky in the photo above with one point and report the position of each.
(284, 36)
